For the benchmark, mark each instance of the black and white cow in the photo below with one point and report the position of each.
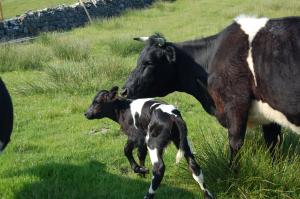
(6, 116)
(151, 124)
(248, 74)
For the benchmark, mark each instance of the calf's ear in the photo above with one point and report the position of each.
(113, 92)
(170, 54)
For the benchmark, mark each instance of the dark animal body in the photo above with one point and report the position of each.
(6, 116)
(248, 74)
(149, 124)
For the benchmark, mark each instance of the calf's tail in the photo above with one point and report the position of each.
(184, 143)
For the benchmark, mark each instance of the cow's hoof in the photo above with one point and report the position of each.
(149, 196)
(235, 167)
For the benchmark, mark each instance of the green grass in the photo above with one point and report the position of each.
(12, 8)
(56, 153)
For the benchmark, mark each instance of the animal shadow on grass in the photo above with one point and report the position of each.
(87, 181)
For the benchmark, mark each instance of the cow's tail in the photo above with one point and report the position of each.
(6, 116)
(184, 143)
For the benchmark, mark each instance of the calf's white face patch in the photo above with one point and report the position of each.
(136, 107)
(251, 26)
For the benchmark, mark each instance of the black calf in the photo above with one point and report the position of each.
(151, 124)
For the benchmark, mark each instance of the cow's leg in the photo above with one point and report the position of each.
(158, 170)
(142, 153)
(237, 116)
(272, 136)
(130, 145)
(195, 169)
(232, 108)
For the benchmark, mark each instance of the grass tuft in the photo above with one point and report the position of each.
(125, 47)
(70, 49)
(76, 77)
(23, 57)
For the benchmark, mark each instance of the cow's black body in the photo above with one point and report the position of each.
(6, 116)
(247, 74)
(277, 65)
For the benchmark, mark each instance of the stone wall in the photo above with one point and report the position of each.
(63, 17)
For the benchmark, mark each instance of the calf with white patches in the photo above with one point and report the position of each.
(151, 124)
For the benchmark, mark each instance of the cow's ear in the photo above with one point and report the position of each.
(113, 92)
(170, 54)
(141, 39)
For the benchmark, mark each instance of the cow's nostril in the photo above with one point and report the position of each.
(124, 92)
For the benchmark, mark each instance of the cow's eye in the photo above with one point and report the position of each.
(147, 71)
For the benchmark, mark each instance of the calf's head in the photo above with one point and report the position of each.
(155, 73)
(102, 105)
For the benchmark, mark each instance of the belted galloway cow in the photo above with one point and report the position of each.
(248, 74)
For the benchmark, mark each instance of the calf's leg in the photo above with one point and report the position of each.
(195, 169)
(142, 153)
(130, 145)
(158, 171)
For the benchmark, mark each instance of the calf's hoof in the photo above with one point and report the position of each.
(141, 170)
(144, 170)
(208, 195)
(149, 196)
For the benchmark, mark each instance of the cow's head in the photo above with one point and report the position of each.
(155, 73)
(102, 105)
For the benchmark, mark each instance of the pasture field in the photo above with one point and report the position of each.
(56, 153)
